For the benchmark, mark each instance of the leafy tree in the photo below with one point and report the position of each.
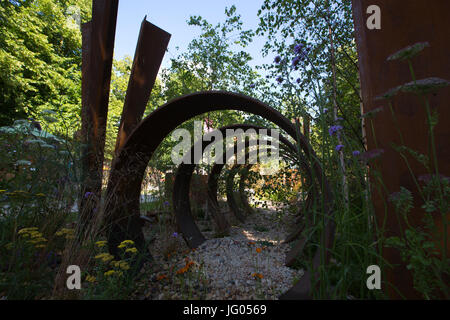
(215, 60)
(40, 60)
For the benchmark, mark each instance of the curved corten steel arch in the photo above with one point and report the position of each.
(181, 202)
(216, 171)
(127, 173)
(217, 168)
(243, 177)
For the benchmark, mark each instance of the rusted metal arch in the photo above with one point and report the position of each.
(299, 224)
(180, 197)
(213, 183)
(212, 197)
(217, 168)
(243, 177)
(231, 201)
(123, 192)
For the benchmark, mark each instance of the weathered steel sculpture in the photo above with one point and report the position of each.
(98, 45)
(181, 201)
(151, 46)
(403, 23)
(128, 171)
(137, 141)
(242, 183)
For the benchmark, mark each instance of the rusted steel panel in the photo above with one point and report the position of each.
(123, 192)
(98, 38)
(150, 50)
(403, 23)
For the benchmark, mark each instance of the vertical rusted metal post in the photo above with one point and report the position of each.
(150, 50)
(403, 23)
(98, 46)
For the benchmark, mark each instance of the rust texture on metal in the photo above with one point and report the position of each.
(242, 184)
(98, 46)
(288, 148)
(182, 183)
(231, 201)
(127, 173)
(217, 167)
(403, 23)
(151, 46)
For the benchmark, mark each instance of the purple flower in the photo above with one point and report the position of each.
(334, 129)
(298, 48)
(166, 203)
(325, 110)
(277, 59)
(87, 194)
(175, 234)
(356, 153)
(295, 61)
(252, 85)
(279, 79)
(339, 147)
(298, 80)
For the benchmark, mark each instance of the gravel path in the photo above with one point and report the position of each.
(248, 264)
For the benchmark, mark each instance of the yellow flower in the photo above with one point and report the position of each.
(124, 265)
(37, 240)
(132, 250)
(100, 244)
(105, 257)
(109, 273)
(125, 243)
(90, 278)
(27, 230)
(35, 234)
(40, 194)
(120, 264)
(112, 272)
(65, 231)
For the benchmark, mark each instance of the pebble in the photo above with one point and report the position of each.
(228, 264)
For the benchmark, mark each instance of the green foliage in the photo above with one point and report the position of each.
(423, 247)
(40, 60)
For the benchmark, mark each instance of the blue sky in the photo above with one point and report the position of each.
(171, 15)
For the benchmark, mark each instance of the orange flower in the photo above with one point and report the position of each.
(258, 250)
(161, 276)
(251, 243)
(257, 275)
(182, 270)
